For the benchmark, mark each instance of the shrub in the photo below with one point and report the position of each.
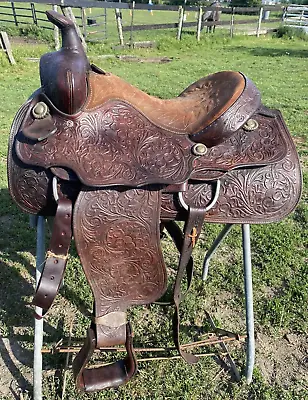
(29, 31)
(34, 32)
(289, 32)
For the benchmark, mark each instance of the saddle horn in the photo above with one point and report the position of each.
(64, 73)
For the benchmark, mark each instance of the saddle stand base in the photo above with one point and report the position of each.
(39, 223)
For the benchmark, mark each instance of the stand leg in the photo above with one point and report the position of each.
(38, 323)
(250, 355)
(212, 250)
(224, 347)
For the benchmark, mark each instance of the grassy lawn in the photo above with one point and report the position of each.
(279, 251)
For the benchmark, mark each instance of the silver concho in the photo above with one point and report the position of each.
(40, 110)
(199, 149)
(250, 125)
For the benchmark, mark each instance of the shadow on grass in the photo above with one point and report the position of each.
(17, 315)
(272, 52)
(17, 276)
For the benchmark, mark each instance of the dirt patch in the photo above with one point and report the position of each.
(230, 317)
(300, 142)
(23, 40)
(14, 375)
(159, 60)
(283, 360)
(16, 357)
(299, 139)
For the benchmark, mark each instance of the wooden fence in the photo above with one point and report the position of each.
(26, 14)
(296, 16)
(19, 14)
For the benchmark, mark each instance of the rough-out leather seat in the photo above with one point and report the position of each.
(210, 110)
(196, 108)
(116, 166)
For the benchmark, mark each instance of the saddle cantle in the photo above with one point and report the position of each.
(115, 166)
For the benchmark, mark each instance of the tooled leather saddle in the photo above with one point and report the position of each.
(115, 166)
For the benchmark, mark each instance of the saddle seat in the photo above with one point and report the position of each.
(193, 110)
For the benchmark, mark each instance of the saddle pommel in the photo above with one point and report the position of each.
(64, 72)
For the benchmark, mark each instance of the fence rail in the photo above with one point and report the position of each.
(20, 14)
(33, 15)
(296, 16)
(137, 6)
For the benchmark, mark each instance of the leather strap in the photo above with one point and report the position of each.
(109, 376)
(57, 254)
(177, 236)
(192, 230)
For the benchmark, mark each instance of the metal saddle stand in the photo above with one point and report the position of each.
(39, 223)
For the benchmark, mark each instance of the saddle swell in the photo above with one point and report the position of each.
(116, 165)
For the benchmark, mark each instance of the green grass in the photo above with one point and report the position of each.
(279, 69)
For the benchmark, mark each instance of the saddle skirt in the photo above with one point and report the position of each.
(115, 166)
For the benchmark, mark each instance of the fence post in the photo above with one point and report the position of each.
(84, 22)
(132, 25)
(119, 25)
(180, 25)
(284, 13)
(33, 13)
(259, 22)
(232, 22)
(14, 13)
(199, 25)
(56, 32)
(6, 45)
(301, 18)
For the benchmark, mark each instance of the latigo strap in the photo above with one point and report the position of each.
(57, 254)
(192, 230)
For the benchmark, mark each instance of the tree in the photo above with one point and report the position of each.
(246, 3)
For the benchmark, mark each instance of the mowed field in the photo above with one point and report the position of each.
(279, 251)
